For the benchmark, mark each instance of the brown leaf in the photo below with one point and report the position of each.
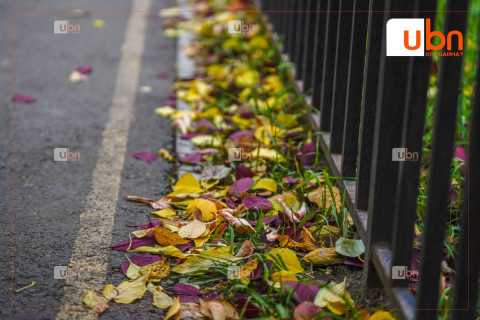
(218, 310)
(192, 230)
(246, 249)
(286, 241)
(166, 237)
(239, 224)
(316, 196)
(322, 255)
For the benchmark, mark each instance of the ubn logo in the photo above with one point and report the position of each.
(64, 272)
(402, 272)
(402, 154)
(412, 37)
(237, 154)
(64, 154)
(64, 26)
(237, 26)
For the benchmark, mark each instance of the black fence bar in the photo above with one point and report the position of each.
(340, 82)
(308, 49)
(300, 38)
(439, 173)
(318, 52)
(369, 102)
(468, 265)
(292, 27)
(412, 140)
(353, 101)
(391, 98)
(328, 65)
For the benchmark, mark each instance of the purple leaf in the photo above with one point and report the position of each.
(139, 260)
(191, 135)
(258, 202)
(122, 246)
(162, 75)
(212, 296)
(303, 292)
(241, 133)
(289, 180)
(194, 157)
(85, 69)
(204, 124)
(185, 247)
(241, 185)
(460, 153)
(172, 96)
(169, 103)
(242, 172)
(23, 98)
(146, 156)
(186, 289)
(184, 299)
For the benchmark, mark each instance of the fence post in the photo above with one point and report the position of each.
(439, 173)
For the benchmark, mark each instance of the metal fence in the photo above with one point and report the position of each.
(370, 103)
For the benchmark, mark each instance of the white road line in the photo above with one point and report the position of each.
(96, 223)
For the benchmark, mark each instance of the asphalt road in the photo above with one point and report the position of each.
(49, 197)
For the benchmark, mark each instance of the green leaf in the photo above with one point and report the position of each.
(349, 247)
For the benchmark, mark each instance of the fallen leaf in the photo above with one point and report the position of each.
(218, 310)
(145, 156)
(335, 297)
(256, 202)
(206, 207)
(265, 184)
(186, 185)
(241, 185)
(316, 196)
(129, 291)
(350, 247)
(165, 111)
(139, 260)
(164, 213)
(307, 310)
(192, 230)
(174, 309)
(76, 77)
(283, 275)
(382, 315)
(23, 98)
(96, 302)
(246, 249)
(160, 299)
(214, 172)
(240, 225)
(157, 270)
(186, 289)
(285, 257)
(322, 255)
(286, 241)
(165, 154)
(98, 23)
(166, 237)
(85, 69)
(168, 251)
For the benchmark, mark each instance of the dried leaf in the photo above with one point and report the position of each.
(165, 154)
(316, 196)
(240, 225)
(246, 249)
(157, 270)
(336, 298)
(168, 251)
(166, 237)
(174, 309)
(214, 172)
(96, 302)
(322, 255)
(286, 241)
(160, 299)
(218, 310)
(164, 213)
(129, 291)
(192, 230)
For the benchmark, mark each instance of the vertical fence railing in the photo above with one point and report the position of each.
(370, 103)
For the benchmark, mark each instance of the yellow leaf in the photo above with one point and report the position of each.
(286, 241)
(109, 291)
(265, 184)
(164, 213)
(288, 257)
(168, 251)
(188, 183)
(98, 23)
(265, 153)
(192, 230)
(283, 275)
(207, 140)
(170, 226)
(267, 134)
(157, 270)
(174, 309)
(133, 271)
(336, 298)
(131, 290)
(381, 315)
(321, 255)
(193, 263)
(200, 241)
(96, 302)
(166, 237)
(207, 208)
(165, 155)
(287, 120)
(316, 196)
(165, 111)
(162, 300)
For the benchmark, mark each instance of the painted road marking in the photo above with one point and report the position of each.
(96, 223)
